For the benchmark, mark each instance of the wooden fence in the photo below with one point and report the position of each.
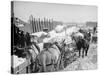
(39, 24)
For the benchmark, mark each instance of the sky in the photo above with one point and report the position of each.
(59, 12)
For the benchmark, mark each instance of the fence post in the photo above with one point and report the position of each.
(39, 25)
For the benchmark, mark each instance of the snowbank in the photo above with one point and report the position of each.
(59, 28)
(68, 40)
(70, 30)
(52, 33)
(39, 34)
(55, 37)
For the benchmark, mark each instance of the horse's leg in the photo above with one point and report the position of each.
(79, 52)
(52, 68)
(36, 66)
(44, 63)
(55, 66)
(86, 51)
(61, 63)
(32, 69)
(58, 63)
(83, 52)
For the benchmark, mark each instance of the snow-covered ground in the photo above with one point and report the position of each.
(86, 63)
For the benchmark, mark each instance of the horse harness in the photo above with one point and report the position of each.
(51, 59)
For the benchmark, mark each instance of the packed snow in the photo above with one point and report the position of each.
(59, 28)
(39, 34)
(70, 30)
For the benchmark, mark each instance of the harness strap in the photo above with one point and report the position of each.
(46, 64)
(34, 50)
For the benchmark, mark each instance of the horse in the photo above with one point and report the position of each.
(32, 52)
(81, 43)
(87, 35)
(49, 57)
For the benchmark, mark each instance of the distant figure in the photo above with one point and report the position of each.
(94, 30)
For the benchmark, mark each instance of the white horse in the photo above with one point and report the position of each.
(32, 54)
(49, 57)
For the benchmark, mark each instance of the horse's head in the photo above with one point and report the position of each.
(60, 45)
(87, 36)
(34, 39)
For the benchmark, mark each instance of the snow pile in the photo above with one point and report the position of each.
(71, 30)
(61, 34)
(55, 37)
(59, 28)
(17, 61)
(52, 33)
(68, 40)
(39, 34)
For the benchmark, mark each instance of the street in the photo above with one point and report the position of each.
(87, 63)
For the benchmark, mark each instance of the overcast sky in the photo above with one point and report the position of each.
(59, 12)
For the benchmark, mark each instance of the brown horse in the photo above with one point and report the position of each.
(81, 45)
